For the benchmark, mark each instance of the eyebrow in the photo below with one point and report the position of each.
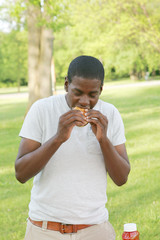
(78, 90)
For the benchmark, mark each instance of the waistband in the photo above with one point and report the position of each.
(61, 227)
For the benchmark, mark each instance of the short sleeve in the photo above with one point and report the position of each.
(118, 132)
(32, 125)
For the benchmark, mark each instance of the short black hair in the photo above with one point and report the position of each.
(86, 67)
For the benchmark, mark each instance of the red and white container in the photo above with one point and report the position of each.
(130, 232)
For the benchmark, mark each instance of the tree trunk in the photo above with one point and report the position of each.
(34, 33)
(40, 50)
(133, 75)
(44, 70)
(53, 77)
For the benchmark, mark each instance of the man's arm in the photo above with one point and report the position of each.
(116, 161)
(115, 158)
(32, 156)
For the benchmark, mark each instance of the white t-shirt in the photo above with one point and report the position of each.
(71, 188)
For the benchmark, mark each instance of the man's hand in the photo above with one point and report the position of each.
(66, 123)
(99, 123)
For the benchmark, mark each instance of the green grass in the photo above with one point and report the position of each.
(14, 197)
(137, 201)
(4, 90)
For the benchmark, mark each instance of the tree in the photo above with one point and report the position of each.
(124, 35)
(41, 19)
(13, 57)
(136, 34)
(40, 50)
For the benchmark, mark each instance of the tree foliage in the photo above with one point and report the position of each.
(13, 58)
(124, 35)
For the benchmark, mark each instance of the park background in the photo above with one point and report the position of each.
(38, 39)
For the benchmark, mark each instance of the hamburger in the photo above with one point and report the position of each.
(83, 111)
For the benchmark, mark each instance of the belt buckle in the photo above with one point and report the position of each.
(62, 228)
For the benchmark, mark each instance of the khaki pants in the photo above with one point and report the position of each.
(102, 231)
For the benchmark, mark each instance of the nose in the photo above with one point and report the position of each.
(84, 101)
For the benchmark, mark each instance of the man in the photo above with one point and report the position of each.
(69, 163)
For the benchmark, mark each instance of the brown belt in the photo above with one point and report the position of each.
(61, 227)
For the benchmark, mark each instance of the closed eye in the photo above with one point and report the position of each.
(77, 92)
(93, 95)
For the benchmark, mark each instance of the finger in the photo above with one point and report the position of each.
(93, 114)
(72, 114)
(94, 121)
(72, 119)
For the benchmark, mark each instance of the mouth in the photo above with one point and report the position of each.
(81, 108)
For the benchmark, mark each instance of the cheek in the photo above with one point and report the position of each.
(73, 100)
(93, 102)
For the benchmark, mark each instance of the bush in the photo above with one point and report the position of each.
(12, 83)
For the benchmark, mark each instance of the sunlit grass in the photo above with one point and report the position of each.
(137, 201)
(4, 90)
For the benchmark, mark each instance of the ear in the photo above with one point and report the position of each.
(101, 89)
(66, 83)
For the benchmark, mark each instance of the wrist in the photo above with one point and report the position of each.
(58, 140)
(103, 140)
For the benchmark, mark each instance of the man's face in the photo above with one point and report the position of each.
(83, 92)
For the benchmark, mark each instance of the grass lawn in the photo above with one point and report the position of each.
(4, 90)
(137, 201)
